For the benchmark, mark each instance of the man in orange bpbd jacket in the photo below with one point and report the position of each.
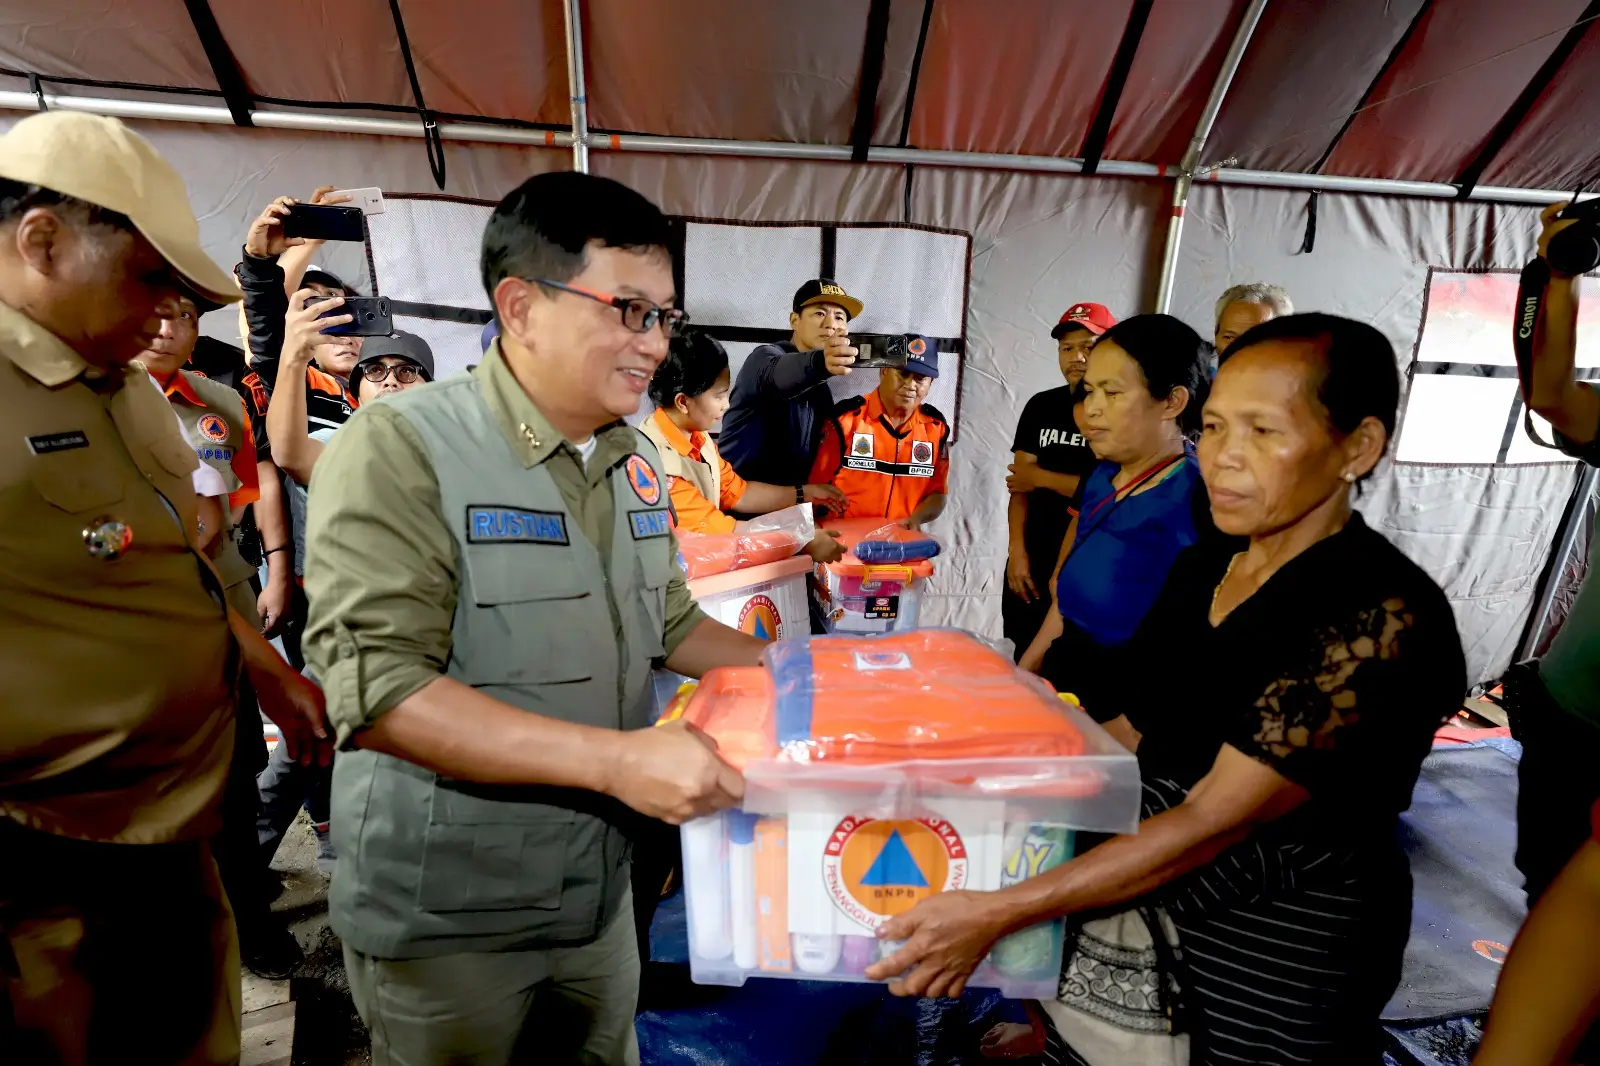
(889, 452)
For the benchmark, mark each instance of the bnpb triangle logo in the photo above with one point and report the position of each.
(643, 480)
(875, 869)
(760, 619)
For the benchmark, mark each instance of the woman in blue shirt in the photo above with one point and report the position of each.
(1141, 505)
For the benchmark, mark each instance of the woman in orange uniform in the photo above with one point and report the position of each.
(690, 390)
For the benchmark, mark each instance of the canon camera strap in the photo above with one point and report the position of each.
(1531, 289)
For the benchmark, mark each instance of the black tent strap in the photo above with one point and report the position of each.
(38, 91)
(759, 335)
(871, 79)
(430, 124)
(830, 252)
(1372, 87)
(916, 71)
(1094, 145)
(467, 316)
(1469, 177)
(1508, 436)
(223, 66)
(1309, 242)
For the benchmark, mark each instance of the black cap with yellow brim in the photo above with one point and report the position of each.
(826, 291)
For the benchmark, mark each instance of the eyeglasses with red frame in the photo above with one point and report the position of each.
(638, 314)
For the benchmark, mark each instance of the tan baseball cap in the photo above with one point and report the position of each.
(101, 161)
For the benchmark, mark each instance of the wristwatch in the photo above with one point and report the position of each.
(799, 494)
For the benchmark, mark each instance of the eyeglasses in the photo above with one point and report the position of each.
(404, 373)
(638, 314)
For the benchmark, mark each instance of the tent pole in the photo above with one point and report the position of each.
(489, 133)
(1197, 143)
(575, 88)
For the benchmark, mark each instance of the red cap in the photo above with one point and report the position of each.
(1092, 317)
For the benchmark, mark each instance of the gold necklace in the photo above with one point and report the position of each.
(1216, 592)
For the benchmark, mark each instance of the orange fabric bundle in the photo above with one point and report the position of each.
(926, 694)
(705, 554)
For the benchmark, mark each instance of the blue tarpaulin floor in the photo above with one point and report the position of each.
(1460, 834)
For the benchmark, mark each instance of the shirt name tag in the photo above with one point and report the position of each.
(647, 524)
(511, 525)
(58, 442)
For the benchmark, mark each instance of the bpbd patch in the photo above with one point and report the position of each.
(648, 524)
(489, 524)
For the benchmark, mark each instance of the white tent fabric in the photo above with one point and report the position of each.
(1040, 243)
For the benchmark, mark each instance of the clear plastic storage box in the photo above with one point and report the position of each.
(878, 772)
(859, 596)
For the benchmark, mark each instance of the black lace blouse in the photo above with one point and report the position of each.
(1335, 673)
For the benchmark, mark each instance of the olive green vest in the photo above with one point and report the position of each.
(429, 865)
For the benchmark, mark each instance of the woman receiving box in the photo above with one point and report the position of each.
(1281, 699)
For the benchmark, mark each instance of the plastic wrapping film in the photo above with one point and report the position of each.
(880, 771)
(766, 539)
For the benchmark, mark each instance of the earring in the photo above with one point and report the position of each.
(1349, 477)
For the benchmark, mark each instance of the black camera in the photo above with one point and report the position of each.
(1576, 249)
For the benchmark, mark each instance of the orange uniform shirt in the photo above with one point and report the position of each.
(885, 472)
(696, 514)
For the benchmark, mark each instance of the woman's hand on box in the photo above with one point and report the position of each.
(946, 937)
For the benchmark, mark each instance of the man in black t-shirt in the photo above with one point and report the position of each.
(1051, 460)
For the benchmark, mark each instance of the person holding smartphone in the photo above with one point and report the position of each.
(781, 400)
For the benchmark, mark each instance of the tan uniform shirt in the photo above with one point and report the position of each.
(115, 673)
(382, 558)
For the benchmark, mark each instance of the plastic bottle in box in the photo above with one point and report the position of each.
(879, 771)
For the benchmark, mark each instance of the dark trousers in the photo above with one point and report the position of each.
(1556, 781)
(235, 846)
(114, 953)
(657, 852)
(1021, 620)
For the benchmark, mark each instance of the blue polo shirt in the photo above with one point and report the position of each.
(1122, 552)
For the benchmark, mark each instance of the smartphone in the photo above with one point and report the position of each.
(372, 317)
(879, 351)
(325, 222)
(368, 201)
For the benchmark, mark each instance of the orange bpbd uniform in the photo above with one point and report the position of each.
(885, 472)
(700, 482)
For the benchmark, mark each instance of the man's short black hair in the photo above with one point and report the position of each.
(544, 226)
(694, 363)
(1360, 378)
(17, 198)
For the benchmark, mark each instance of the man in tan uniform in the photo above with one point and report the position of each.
(119, 653)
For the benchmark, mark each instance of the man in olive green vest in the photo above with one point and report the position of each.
(491, 577)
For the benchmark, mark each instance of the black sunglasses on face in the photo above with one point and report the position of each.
(638, 314)
(404, 373)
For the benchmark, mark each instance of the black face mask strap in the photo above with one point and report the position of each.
(1525, 324)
